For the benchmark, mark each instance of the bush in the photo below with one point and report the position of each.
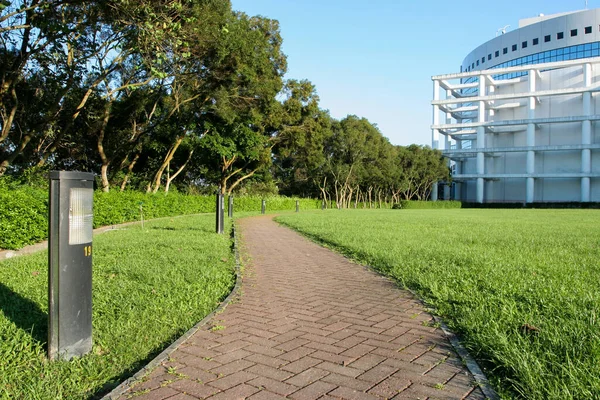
(23, 216)
(422, 205)
(24, 209)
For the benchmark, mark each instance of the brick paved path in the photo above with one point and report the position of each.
(308, 324)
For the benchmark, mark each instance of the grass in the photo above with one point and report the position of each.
(521, 287)
(149, 287)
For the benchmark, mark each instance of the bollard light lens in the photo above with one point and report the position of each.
(81, 216)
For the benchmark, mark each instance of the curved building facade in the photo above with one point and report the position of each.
(519, 122)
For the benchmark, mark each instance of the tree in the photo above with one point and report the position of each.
(422, 167)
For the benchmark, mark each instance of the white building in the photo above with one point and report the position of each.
(520, 121)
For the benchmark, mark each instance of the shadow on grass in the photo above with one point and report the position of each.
(24, 313)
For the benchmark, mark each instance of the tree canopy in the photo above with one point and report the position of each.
(156, 94)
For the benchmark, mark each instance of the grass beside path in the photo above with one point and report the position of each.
(520, 286)
(149, 287)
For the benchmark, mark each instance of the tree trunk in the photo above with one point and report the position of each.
(129, 169)
(101, 152)
(9, 160)
(170, 178)
(166, 161)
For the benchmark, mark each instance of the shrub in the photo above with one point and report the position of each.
(24, 215)
(421, 205)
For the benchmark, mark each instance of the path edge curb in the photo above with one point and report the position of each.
(164, 355)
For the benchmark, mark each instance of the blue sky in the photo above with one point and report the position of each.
(375, 58)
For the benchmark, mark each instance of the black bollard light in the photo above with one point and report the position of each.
(263, 207)
(230, 208)
(70, 231)
(297, 206)
(219, 212)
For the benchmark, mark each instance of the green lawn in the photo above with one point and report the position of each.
(522, 287)
(149, 287)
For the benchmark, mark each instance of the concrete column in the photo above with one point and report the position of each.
(530, 169)
(586, 135)
(491, 113)
(481, 140)
(435, 133)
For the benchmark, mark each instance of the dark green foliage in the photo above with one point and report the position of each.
(426, 205)
(23, 216)
(24, 210)
(274, 203)
(118, 207)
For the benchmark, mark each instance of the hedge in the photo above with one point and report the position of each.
(422, 205)
(24, 215)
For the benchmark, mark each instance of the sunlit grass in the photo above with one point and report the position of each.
(520, 286)
(149, 287)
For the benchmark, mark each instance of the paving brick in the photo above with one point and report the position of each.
(268, 372)
(261, 341)
(273, 385)
(266, 360)
(334, 358)
(157, 394)
(390, 387)
(358, 351)
(231, 346)
(350, 342)
(318, 338)
(292, 344)
(324, 347)
(307, 377)
(238, 392)
(193, 388)
(196, 374)
(313, 391)
(343, 334)
(199, 351)
(232, 380)
(232, 367)
(301, 365)
(201, 363)
(377, 373)
(264, 395)
(352, 394)
(296, 354)
(266, 351)
(339, 369)
(346, 381)
(367, 361)
(232, 356)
